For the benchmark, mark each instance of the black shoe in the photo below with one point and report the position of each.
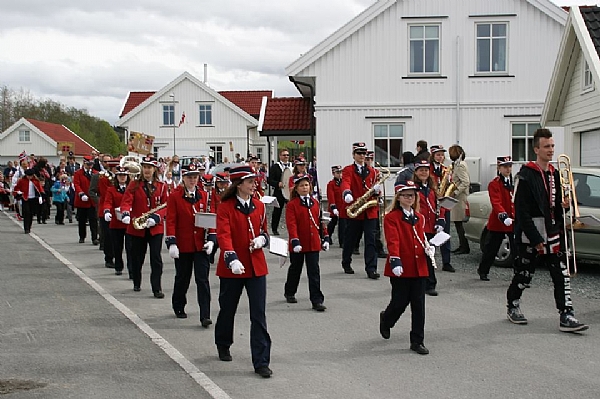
(61, 223)
(206, 322)
(484, 277)
(515, 315)
(137, 288)
(463, 251)
(372, 274)
(568, 323)
(81, 240)
(290, 299)
(319, 307)
(383, 330)
(263, 371)
(431, 292)
(348, 270)
(356, 251)
(419, 348)
(224, 354)
(95, 242)
(101, 248)
(275, 233)
(382, 255)
(118, 272)
(159, 294)
(448, 268)
(27, 231)
(43, 222)
(39, 222)
(109, 265)
(180, 314)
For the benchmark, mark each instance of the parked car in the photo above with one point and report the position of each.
(220, 168)
(587, 189)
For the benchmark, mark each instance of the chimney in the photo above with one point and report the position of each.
(205, 73)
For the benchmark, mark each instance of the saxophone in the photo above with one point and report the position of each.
(365, 202)
(141, 222)
(446, 188)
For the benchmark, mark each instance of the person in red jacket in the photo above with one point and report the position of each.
(242, 233)
(189, 244)
(112, 202)
(357, 179)
(437, 171)
(147, 194)
(100, 182)
(336, 205)
(500, 221)
(406, 265)
(254, 161)
(307, 237)
(86, 211)
(30, 191)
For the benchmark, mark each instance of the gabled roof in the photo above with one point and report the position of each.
(307, 59)
(286, 116)
(249, 101)
(582, 33)
(134, 99)
(169, 87)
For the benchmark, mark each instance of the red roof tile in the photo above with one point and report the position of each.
(287, 113)
(60, 133)
(135, 98)
(249, 101)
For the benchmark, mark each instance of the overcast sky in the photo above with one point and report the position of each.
(90, 54)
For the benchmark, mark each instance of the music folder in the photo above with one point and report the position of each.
(278, 246)
(206, 220)
(269, 200)
(448, 202)
(589, 220)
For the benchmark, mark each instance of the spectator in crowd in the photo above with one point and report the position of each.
(60, 197)
(407, 172)
(9, 170)
(422, 151)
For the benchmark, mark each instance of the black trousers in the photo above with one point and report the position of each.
(491, 246)
(445, 248)
(331, 228)
(354, 228)
(138, 256)
(28, 209)
(108, 246)
(83, 215)
(59, 218)
(431, 281)
(44, 211)
(277, 211)
(118, 237)
(187, 263)
(462, 238)
(312, 270)
(229, 297)
(407, 291)
(525, 264)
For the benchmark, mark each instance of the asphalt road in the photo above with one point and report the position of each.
(72, 327)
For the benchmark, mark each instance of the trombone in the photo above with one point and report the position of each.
(568, 191)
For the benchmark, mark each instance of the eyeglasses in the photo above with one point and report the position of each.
(285, 155)
(407, 196)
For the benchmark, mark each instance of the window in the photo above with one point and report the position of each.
(491, 47)
(522, 141)
(388, 144)
(24, 136)
(259, 154)
(169, 115)
(588, 78)
(217, 151)
(205, 111)
(587, 188)
(424, 49)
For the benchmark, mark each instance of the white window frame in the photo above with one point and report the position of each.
(168, 112)
(491, 38)
(587, 79)
(530, 128)
(377, 157)
(217, 150)
(207, 112)
(24, 136)
(424, 40)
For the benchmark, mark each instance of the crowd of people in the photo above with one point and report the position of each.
(140, 206)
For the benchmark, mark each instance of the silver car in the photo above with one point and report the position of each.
(587, 238)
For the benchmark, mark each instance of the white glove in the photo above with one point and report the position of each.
(208, 247)
(237, 267)
(107, 216)
(397, 271)
(348, 198)
(430, 251)
(19, 192)
(438, 229)
(377, 188)
(325, 246)
(508, 222)
(84, 198)
(297, 248)
(174, 251)
(336, 212)
(259, 242)
(151, 222)
(40, 200)
(126, 220)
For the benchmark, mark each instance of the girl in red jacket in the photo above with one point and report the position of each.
(30, 191)
(500, 221)
(112, 201)
(406, 265)
(307, 237)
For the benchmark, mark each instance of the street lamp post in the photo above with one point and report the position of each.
(172, 95)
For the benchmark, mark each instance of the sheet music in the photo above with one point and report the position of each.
(278, 246)
(439, 239)
(206, 220)
(448, 202)
(269, 200)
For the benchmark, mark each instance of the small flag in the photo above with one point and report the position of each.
(299, 142)
(22, 155)
(182, 119)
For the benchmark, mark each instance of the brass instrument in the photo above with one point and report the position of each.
(569, 194)
(108, 175)
(141, 222)
(132, 164)
(446, 187)
(365, 202)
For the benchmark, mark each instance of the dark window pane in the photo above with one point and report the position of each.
(416, 56)
(518, 150)
(530, 154)
(483, 30)
(499, 55)
(395, 152)
(499, 30)
(381, 152)
(483, 55)
(431, 56)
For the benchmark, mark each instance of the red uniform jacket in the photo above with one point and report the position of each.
(334, 196)
(354, 184)
(103, 184)
(428, 207)
(436, 176)
(259, 179)
(403, 243)
(501, 201)
(181, 220)
(23, 186)
(215, 199)
(135, 202)
(234, 235)
(82, 187)
(302, 227)
(112, 199)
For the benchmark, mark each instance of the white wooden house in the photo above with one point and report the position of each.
(212, 124)
(473, 72)
(573, 100)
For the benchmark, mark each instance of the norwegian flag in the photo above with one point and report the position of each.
(299, 142)
(182, 119)
(22, 155)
